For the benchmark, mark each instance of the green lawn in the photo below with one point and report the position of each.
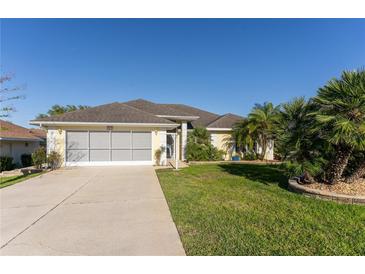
(244, 209)
(8, 181)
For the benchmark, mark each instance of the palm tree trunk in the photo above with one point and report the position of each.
(357, 174)
(338, 164)
(263, 148)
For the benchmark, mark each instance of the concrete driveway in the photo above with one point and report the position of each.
(88, 211)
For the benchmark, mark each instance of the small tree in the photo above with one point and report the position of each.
(341, 118)
(199, 147)
(241, 137)
(54, 160)
(158, 154)
(58, 109)
(39, 157)
(262, 123)
(8, 94)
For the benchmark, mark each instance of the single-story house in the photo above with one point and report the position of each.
(130, 133)
(16, 140)
(40, 133)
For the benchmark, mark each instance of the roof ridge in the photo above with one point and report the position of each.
(227, 116)
(219, 117)
(232, 114)
(158, 105)
(149, 113)
(199, 109)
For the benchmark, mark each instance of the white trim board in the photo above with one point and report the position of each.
(45, 123)
(218, 129)
(182, 118)
(111, 163)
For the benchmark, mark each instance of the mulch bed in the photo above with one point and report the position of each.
(355, 189)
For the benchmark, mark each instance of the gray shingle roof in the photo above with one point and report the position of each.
(157, 109)
(205, 117)
(109, 113)
(225, 121)
(142, 111)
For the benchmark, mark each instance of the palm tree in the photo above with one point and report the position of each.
(241, 137)
(262, 121)
(292, 127)
(199, 136)
(358, 171)
(341, 116)
(296, 139)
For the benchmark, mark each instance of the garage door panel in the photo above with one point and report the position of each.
(141, 155)
(141, 140)
(107, 146)
(97, 155)
(76, 155)
(121, 155)
(99, 140)
(121, 140)
(77, 140)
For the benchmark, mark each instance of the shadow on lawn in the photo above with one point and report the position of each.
(266, 174)
(4, 180)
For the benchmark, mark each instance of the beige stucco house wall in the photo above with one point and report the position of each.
(219, 140)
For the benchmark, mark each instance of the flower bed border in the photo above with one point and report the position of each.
(325, 195)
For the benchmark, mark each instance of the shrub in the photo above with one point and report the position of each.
(308, 169)
(54, 160)
(199, 147)
(26, 160)
(39, 157)
(250, 156)
(215, 154)
(158, 154)
(6, 163)
(356, 159)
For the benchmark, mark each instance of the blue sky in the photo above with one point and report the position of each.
(219, 65)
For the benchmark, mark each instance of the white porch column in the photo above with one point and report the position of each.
(184, 139)
(162, 134)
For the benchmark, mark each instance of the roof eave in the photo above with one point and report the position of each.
(219, 129)
(64, 123)
(20, 139)
(179, 117)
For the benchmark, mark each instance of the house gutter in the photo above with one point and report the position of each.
(20, 139)
(218, 129)
(55, 123)
(179, 118)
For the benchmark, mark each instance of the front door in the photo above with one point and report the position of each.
(170, 146)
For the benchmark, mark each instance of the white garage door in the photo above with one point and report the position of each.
(108, 147)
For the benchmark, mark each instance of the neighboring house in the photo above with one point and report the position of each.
(40, 133)
(16, 140)
(130, 133)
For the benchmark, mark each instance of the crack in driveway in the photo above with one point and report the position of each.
(50, 210)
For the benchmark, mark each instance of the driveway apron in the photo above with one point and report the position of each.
(88, 211)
